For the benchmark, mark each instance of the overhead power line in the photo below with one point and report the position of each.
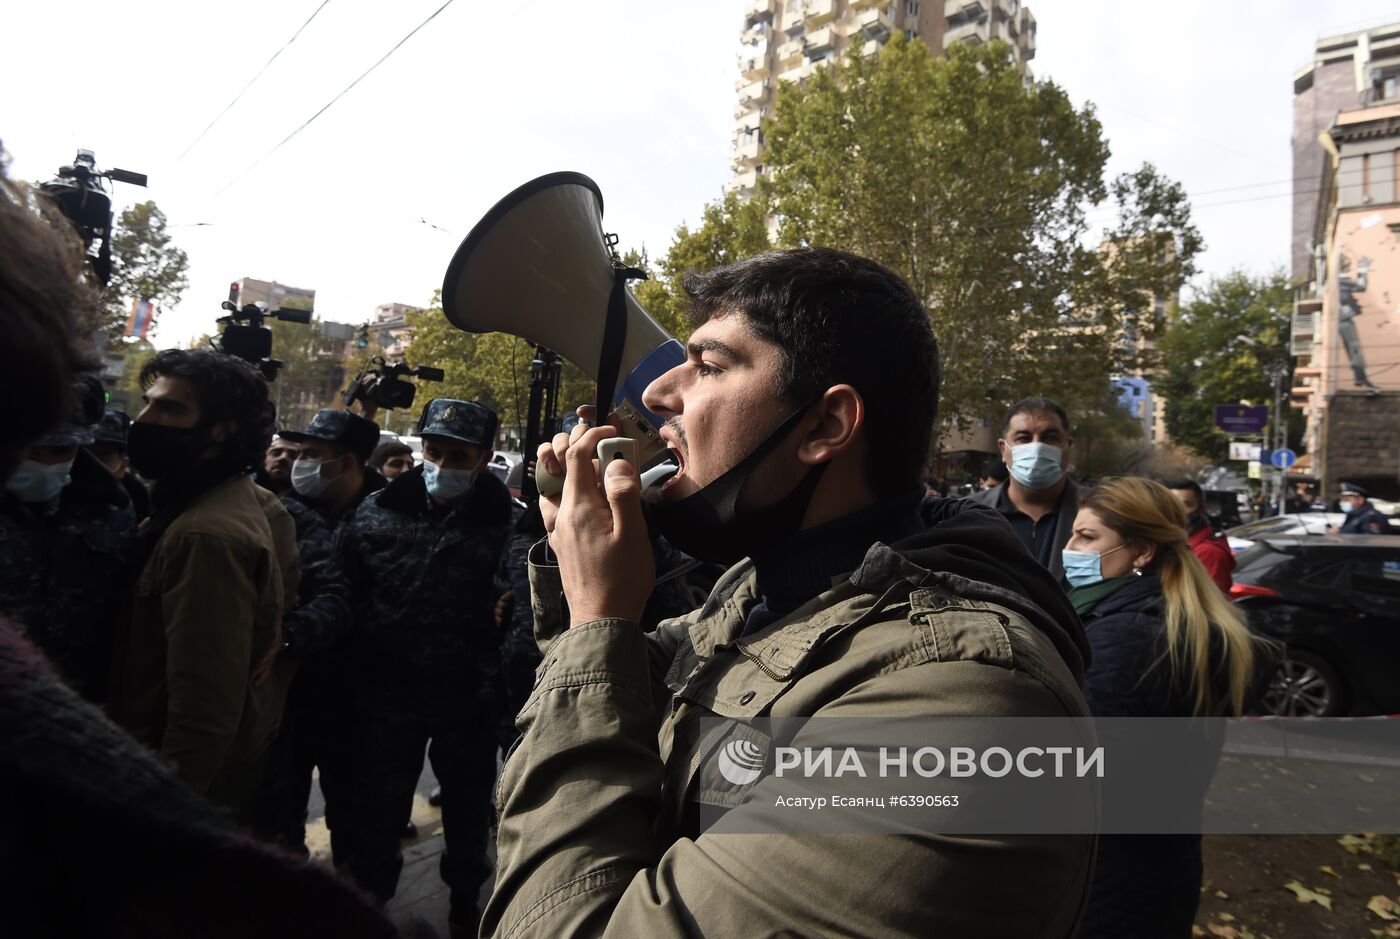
(251, 81)
(343, 92)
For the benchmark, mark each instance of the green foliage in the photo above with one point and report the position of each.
(492, 368)
(312, 377)
(146, 265)
(125, 392)
(972, 185)
(1108, 440)
(1206, 357)
(730, 230)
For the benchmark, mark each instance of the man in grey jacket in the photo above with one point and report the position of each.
(801, 421)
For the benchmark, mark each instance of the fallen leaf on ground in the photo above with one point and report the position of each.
(1222, 932)
(1384, 907)
(1197, 933)
(1327, 870)
(1363, 867)
(1309, 896)
(1355, 845)
(1222, 894)
(1225, 917)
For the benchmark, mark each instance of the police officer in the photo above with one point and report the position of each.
(109, 446)
(420, 557)
(66, 530)
(329, 480)
(1362, 516)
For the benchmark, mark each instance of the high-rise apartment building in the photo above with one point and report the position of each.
(786, 40)
(1346, 71)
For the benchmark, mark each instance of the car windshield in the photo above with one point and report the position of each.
(1257, 560)
(1260, 526)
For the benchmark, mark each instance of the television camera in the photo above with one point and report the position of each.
(81, 194)
(381, 384)
(245, 335)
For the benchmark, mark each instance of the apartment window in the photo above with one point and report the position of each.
(911, 7)
(1365, 177)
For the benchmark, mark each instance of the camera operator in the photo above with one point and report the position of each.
(66, 529)
(276, 473)
(109, 446)
(206, 613)
(100, 838)
(329, 481)
(802, 417)
(421, 556)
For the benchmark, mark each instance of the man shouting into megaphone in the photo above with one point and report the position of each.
(801, 421)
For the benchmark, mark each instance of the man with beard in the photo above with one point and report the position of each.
(801, 418)
(206, 612)
(276, 473)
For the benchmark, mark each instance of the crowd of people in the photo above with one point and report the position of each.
(224, 607)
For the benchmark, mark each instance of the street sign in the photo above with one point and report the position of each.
(1244, 450)
(1241, 418)
(1283, 459)
(1254, 472)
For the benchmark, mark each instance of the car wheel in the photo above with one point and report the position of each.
(1303, 685)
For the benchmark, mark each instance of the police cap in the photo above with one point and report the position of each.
(467, 421)
(357, 434)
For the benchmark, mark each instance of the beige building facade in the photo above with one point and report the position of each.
(1346, 319)
(787, 40)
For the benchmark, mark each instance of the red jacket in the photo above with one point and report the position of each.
(1215, 554)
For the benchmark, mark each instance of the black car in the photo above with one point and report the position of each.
(1332, 602)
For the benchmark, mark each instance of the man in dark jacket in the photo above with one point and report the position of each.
(1039, 499)
(421, 558)
(109, 446)
(1362, 516)
(1213, 550)
(66, 528)
(329, 481)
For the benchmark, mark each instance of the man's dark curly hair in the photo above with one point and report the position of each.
(228, 389)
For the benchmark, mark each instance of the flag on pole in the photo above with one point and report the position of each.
(139, 323)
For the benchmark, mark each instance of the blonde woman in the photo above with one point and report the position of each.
(1166, 643)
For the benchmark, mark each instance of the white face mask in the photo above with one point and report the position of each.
(1037, 465)
(308, 480)
(447, 484)
(35, 482)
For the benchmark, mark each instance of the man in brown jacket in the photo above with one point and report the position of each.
(801, 423)
(205, 618)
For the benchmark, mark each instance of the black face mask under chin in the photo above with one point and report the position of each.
(708, 525)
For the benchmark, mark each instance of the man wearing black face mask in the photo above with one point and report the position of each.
(205, 616)
(801, 422)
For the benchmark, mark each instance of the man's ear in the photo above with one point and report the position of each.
(840, 417)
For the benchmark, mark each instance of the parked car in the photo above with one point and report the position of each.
(388, 436)
(414, 443)
(1332, 603)
(509, 467)
(1307, 523)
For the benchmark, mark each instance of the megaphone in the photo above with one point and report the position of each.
(540, 266)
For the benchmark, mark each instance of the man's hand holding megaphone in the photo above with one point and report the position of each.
(596, 530)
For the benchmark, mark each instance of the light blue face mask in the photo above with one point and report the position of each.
(1037, 465)
(1083, 568)
(33, 482)
(447, 484)
(307, 479)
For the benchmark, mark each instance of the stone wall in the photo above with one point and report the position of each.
(1361, 443)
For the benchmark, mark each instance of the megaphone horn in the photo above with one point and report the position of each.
(539, 266)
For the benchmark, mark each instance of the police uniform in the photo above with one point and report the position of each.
(112, 431)
(314, 731)
(63, 565)
(1365, 518)
(427, 650)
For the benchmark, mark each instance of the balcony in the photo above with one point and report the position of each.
(819, 12)
(797, 73)
(874, 24)
(749, 121)
(752, 93)
(756, 11)
(753, 67)
(972, 33)
(746, 151)
(959, 11)
(1305, 320)
(745, 180)
(1300, 345)
(864, 4)
(820, 44)
(872, 47)
(789, 55)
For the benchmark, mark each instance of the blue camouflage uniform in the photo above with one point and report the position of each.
(314, 658)
(63, 566)
(427, 654)
(1365, 519)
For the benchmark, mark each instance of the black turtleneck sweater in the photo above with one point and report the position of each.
(803, 566)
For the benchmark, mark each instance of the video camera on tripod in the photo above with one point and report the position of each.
(79, 192)
(388, 390)
(245, 335)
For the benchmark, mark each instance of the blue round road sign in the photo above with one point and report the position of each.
(1284, 458)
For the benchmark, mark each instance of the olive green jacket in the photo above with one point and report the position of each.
(596, 799)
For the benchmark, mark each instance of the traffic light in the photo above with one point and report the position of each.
(233, 293)
(362, 341)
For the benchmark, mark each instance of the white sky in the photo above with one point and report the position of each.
(639, 95)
